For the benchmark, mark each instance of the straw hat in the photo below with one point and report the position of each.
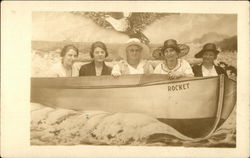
(134, 41)
(207, 47)
(181, 49)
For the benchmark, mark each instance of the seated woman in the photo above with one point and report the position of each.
(134, 54)
(97, 67)
(207, 67)
(66, 67)
(172, 64)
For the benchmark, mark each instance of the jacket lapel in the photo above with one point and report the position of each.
(200, 70)
(104, 69)
(217, 70)
(92, 69)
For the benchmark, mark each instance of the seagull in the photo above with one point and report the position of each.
(120, 25)
(123, 24)
(130, 23)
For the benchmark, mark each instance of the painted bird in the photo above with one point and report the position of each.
(121, 24)
(129, 23)
(125, 25)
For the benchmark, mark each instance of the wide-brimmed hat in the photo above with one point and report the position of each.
(181, 49)
(134, 41)
(207, 47)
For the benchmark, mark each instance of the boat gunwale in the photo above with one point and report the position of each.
(234, 107)
(139, 84)
(220, 104)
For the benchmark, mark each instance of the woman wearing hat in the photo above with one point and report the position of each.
(97, 67)
(207, 68)
(66, 67)
(172, 64)
(134, 54)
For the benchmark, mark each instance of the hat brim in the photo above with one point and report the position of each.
(200, 53)
(183, 49)
(145, 50)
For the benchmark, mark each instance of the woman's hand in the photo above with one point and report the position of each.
(116, 74)
(174, 75)
(171, 76)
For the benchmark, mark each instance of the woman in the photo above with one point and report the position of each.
(172, 65)
(97, 67)
(207, 67)
(134, 54)
(66, 67)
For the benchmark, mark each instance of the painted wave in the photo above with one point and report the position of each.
(56, 126)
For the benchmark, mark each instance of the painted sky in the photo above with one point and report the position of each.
(58, 26)
(187, 27)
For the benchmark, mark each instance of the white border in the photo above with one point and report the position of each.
(16, 70)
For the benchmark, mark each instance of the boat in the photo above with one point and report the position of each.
(196, 107)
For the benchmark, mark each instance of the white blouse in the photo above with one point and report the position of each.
(58, 70)
(118, 68)
(208, 72)
(182, 67)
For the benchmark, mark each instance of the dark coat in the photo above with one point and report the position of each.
(89, 70)
(197, 69)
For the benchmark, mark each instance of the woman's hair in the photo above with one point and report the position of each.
(177, 50)
(170, 43)
(67, 48)
(100, 45)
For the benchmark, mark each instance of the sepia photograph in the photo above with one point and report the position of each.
(133, 78)
(125, 79)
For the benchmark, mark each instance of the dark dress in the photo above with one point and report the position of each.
(197, 69)
(89, 70)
